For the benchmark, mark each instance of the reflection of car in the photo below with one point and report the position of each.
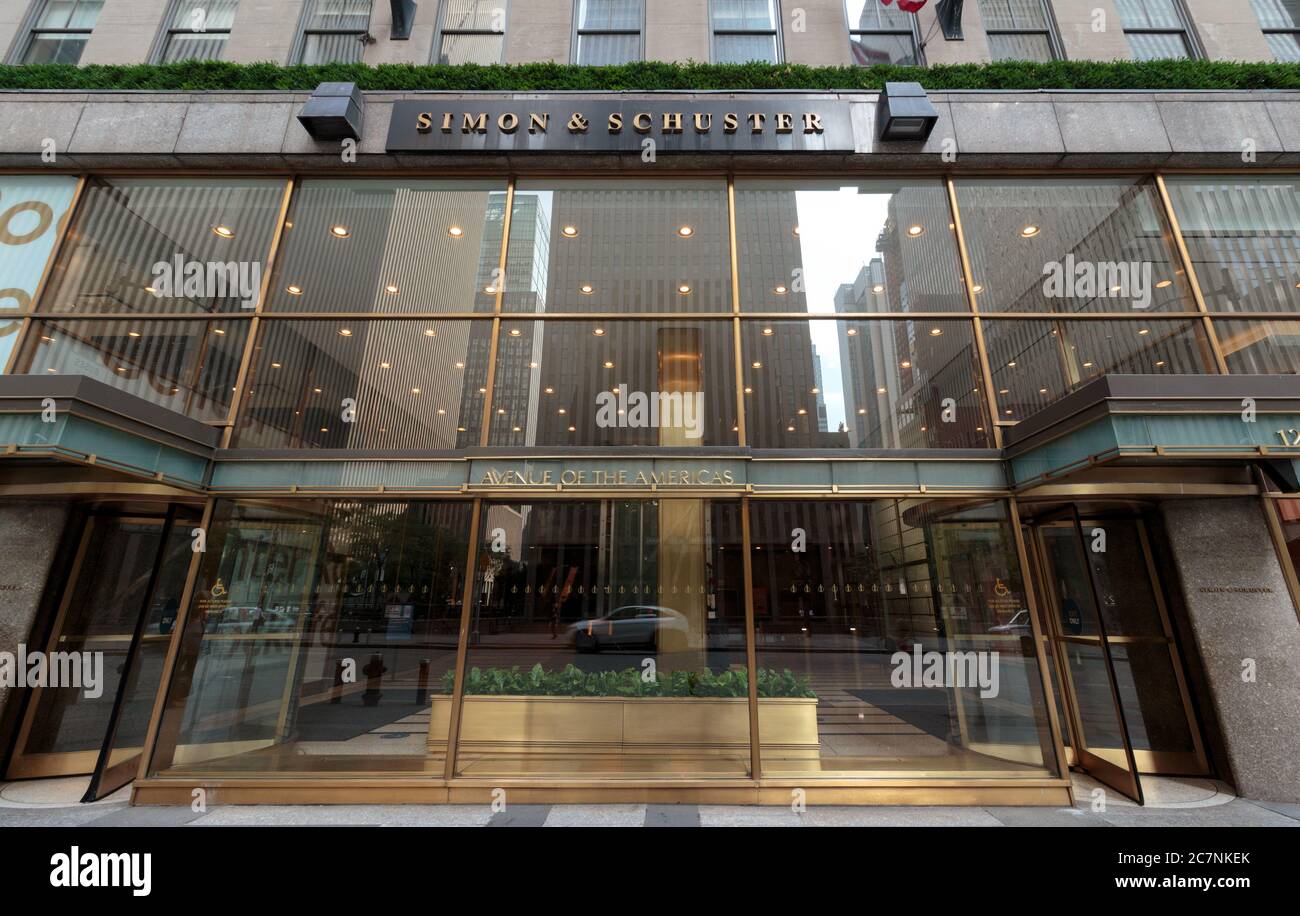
(633, 625)
(249, 620)
(1016, 626)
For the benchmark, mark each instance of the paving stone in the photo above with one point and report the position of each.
(596, 816)
(672, 816)
(521, 816)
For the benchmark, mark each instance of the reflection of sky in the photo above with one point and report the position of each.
(837, 238)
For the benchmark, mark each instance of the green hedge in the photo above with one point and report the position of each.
(213, 75)
(572, 681)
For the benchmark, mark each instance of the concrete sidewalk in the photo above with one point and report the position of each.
(1170, 803)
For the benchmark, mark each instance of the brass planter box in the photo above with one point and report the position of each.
(626, 725)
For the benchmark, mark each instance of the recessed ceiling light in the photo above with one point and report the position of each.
(880, 391)
(609, 364)
(768, 332)
(569, 232)
(324, 429)
(757, 365)
(684, 289)
(916, 231)
(878, 288)
(561, 411)
(1163, 283)
(460, 365)
(1004, 391)
(391, 288)
(789, 429)
(132, 333)
(977, 288)
(549, 390)
(906, 364)
(220, 332)
(151, 291)
(1087, 365)
(275, 365)
(852, 332)
(780, 289)
(1011, 365)
(935, 332)
(1042, 391)
(340, 231)
(748, 390)
(224, 232)
(803, 411)
(1029, 231)
(415, 391)
(862, 410)
(534, 365)
(586, 289)
(573, 429)
(456, 232)
(1160, 362)
(795, 231)
(293, 290)
(515, 332)
(430, 332)
(686, 232)
(501, 411)
(442, 412)
(599, 332)
(345, 332)
(317, 390)
(1144, 331)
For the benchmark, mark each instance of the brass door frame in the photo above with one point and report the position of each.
(1104, 770)
(23, 765)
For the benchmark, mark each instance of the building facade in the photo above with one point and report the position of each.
(650, 446)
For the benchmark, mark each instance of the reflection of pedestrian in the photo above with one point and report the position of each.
(555, 619)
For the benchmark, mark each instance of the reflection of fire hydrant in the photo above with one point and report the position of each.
(374, 672)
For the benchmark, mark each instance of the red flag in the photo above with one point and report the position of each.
(908, 6)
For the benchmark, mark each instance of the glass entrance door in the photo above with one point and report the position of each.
(1107, 614)
(106, 663)
(1085, 667)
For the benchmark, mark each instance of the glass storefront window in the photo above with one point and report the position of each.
(187, 366)
(1036, 363)
(317, 637)
(907, 619)
(618, 382)
(608, 640)
(1071, 245)
(376, 245)
(32, 212)
(836, 246)
(1243, 236)
(366, 385)
(626, 246)
(1260, 347)
(166, 245)
(862, 384)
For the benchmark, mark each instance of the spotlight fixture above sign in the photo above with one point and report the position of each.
(904, 112)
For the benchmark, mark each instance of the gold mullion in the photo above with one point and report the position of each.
(61, 236)
(489, 382)
(254, 325)
(1190, 271)
(751, 651)
(986, 372)
(742, 438)
(462, 640)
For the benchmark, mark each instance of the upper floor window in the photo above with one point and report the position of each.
(881, 34)
(1280, 20)
(1156, 29)
(746, 30)
(609, 31)
(472, 31)
(1018, 30)
(198, 29)
(60, 31)
(334, 31)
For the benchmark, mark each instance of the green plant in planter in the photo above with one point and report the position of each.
(572, 681)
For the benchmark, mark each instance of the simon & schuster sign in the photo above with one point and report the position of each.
(760, 125)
